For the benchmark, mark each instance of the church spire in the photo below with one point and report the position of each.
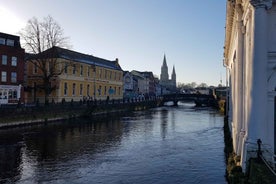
(164, 61)
(173, 79)
(164, 77)
(173, 74)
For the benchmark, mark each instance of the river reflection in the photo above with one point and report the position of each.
(163, 145)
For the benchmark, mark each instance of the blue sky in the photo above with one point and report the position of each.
(137, 32)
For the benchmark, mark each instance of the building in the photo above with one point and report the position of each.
(129, 91)
(11, 69)
(250, 59)
(151, 88)
(166, 83)
(144, 83)
(140, 84)
(78, 76)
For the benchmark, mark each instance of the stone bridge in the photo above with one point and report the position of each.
(198, 99)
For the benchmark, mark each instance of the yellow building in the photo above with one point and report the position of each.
(77, 76)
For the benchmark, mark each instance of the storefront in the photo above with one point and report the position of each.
(9, 94)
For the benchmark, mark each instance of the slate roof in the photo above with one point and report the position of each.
(58, 52)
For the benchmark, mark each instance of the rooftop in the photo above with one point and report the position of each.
(57, 52)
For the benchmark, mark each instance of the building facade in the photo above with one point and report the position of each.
(11, 69)
(250, 59)
(166, 83)
(81, 77)
(129, 91)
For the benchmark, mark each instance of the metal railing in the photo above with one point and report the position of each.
(263, 152)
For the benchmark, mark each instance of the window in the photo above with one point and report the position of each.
(105, 90)
(81, 89)
(4, 60)
(14, 94)
(88, 71)
(81, 70)
(100, 90)
(3, 76)
(74, 69)
(13, 77)
(100, 73)
(65, 89)
(10, 42)
(74, 89)
(119, 90)
(87, 90)
(2, 41)
(66, 68)
(35, 68)
(10, 94)
(115, 75)
(110, 75)
(105, 74)
(14, 61)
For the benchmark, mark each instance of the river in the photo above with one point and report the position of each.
(165, 145)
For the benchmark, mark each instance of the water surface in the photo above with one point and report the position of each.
(163, 145)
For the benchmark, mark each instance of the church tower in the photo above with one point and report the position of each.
(164, 77)
(173, 79)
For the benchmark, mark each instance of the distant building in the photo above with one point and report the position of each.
(151, 91)
(146, 84)
(82, 77)
(11, 69)
(140, 84)
(128, 91)
(166, 83)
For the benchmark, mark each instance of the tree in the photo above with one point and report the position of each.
(39, 36)
(202, 85)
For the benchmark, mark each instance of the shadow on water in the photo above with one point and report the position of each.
(56, 143)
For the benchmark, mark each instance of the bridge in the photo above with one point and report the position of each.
(198, 99)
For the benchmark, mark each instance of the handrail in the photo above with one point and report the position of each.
(268, 166)
(264, 148)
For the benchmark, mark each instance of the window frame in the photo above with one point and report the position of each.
(2, 41)
(65, 89)
(74, 89)
(13, 77)
(6, 59)
(3, 72)
(14, 61)
(10, 42)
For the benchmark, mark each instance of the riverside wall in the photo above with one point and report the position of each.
(20, 115)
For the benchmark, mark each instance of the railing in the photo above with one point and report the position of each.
(268, 158)
(263, 152)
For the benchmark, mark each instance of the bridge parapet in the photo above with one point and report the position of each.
(198, 99)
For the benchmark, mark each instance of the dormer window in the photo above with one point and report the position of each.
(10, 42)
(2, 41)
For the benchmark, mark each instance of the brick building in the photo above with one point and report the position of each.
(11, 69)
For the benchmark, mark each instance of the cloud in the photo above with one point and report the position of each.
(10, 23)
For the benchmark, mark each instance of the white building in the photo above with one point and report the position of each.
(250, 59)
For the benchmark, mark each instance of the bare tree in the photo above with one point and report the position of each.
(39, 38)
(203, 85)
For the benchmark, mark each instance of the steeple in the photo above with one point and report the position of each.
(164, 77)
(164, 61)
(173, 79)
(173, 74)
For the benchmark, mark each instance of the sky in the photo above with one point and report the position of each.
(137, 32)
